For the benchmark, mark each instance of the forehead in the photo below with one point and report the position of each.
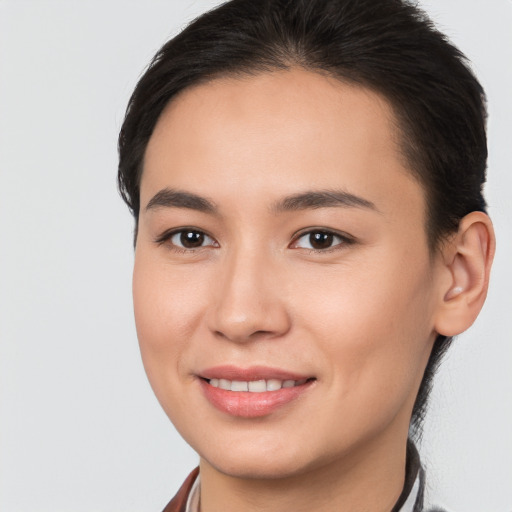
(273, 133)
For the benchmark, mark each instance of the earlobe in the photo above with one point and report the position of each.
(468, 259)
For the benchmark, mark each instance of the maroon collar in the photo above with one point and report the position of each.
(179, 502)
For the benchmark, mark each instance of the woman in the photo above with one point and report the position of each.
(305, 178)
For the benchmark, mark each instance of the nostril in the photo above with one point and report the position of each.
(243, 334)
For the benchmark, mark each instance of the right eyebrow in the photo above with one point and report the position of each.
(171, 198)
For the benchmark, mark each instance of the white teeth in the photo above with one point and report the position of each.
(274, 384)
(225, 384)
(257, 386)
(238, 385)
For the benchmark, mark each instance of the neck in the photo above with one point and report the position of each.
(370, 479)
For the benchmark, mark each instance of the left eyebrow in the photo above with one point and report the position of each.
(322, 199)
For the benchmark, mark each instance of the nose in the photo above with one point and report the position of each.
(248, 302)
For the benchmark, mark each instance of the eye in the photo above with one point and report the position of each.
(320, 240)
(187, 239)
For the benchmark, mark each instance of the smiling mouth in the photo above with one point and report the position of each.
(253, 398)
(256, 386)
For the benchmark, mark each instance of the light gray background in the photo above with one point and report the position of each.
(80, 429)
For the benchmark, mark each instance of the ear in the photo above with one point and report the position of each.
(467, 260)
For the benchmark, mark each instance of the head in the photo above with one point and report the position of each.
(383, 57)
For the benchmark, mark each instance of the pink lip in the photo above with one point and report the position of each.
(245, 404)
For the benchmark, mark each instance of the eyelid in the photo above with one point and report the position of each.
(346, 239)
(169, 233)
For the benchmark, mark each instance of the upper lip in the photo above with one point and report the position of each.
(251, 373)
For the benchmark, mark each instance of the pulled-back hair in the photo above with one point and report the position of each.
(389, 46)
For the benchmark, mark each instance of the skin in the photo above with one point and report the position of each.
(359, 316)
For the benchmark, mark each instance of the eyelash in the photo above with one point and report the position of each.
(167, 236)
(343, 238)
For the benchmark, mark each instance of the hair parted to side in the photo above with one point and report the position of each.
(389, 46)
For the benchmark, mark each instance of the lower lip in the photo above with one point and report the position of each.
(245, 404)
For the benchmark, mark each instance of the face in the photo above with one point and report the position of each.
(284, 292)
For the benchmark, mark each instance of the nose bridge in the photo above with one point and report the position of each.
(247, 299)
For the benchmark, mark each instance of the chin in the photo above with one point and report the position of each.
(265, 460)
(259, 468)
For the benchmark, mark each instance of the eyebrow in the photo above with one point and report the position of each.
(322, 199)
(310, 200)
(171, 198)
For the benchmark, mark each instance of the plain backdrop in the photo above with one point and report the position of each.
(80, 429)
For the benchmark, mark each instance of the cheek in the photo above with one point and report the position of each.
(373, 321)
(369, 294)
(168, 308)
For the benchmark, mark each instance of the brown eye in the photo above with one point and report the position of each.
(191, 239)
(320, 240)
